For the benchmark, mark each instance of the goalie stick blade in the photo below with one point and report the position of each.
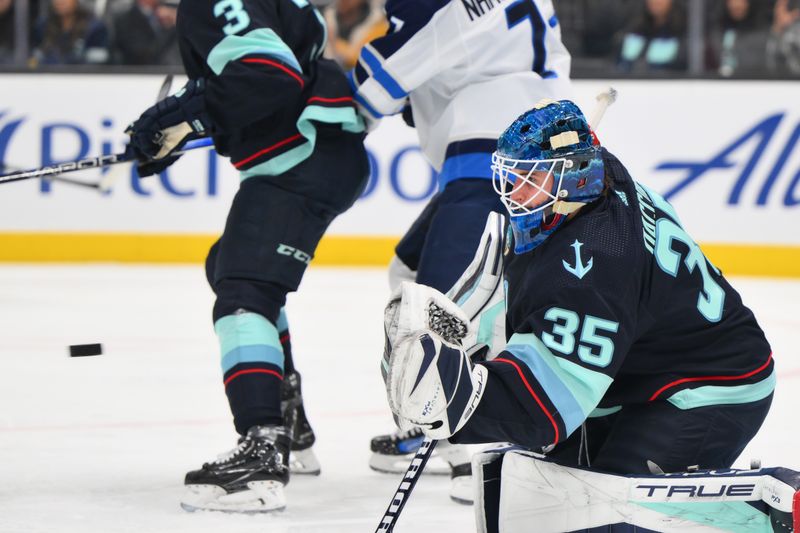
(398, 464)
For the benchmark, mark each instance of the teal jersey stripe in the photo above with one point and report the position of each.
(261, 41)
(249, 330)
(605, 411)
(486, 324)
(717, 395)
(283, 323)
(586, 386)
(736, 517)
(252, 354)
(345, 116)
(566, 404)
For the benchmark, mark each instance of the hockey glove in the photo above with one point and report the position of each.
(430, 381)
(168, 125)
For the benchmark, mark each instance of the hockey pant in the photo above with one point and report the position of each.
(273, 228)
(441, 243)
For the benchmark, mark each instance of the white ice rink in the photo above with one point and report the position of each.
(101, 444)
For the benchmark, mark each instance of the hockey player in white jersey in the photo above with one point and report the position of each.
(461, 71)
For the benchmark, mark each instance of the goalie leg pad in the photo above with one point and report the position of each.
(517, 489)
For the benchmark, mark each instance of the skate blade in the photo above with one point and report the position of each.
(259, 497)
(398, 464)
(304, 462)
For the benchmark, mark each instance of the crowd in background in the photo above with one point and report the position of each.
(635, 37)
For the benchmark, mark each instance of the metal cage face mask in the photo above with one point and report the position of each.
(528, 186)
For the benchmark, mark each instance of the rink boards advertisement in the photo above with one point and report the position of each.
(725, 153)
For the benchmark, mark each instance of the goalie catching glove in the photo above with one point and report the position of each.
(430, 381)
(165, 127)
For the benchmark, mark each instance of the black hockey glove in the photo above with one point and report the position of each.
(168, 125)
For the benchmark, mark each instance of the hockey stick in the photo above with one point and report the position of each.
(408, 483)
(12, 169)
(604, 99)
(107, 181)
(477, 287)
(89, 162)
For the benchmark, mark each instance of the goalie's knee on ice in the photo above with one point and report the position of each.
(518, 491)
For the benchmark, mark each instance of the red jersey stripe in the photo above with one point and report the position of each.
(266, 150)
(535, 397)
(253, 371)
(710, 378)
(277, 65)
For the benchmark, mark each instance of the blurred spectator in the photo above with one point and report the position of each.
(145, 34)
(783, 49)
(7, 26)
(737, 39)
(656, 40)
(589, 27)
(69, 34)
(6, 32)
(351, 24)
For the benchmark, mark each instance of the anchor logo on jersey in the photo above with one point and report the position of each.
(579, 270)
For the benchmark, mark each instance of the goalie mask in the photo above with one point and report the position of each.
(547, 165)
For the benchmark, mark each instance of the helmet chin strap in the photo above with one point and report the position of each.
(563, 207)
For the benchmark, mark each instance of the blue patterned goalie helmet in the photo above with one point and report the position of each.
(547, 165)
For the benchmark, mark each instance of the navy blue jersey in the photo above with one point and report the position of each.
(268, 90)
(620, 307)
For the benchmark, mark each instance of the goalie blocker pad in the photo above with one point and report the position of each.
(519, 492)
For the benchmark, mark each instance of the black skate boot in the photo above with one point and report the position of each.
(302, 459)
(392, 453)
(248, 479)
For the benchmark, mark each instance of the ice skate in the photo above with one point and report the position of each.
(302, 459)
(248, 479)
(392, 453)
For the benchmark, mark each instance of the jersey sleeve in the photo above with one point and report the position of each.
(251, 71)
(419, 44)
(562, 358)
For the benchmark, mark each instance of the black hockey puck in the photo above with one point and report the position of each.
(85, 350)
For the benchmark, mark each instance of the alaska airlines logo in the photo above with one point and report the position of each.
(757, 139)
(579, 270)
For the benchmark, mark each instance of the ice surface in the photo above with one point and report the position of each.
(101, 444)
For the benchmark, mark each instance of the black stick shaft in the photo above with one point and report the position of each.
(90, 162)
(62, 168)
(408, 483)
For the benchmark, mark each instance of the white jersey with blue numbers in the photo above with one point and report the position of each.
(468, 68)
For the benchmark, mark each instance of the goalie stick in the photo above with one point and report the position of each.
(465, 296)
(472, 292)
(53, 172)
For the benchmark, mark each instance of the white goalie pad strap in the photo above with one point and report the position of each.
(518, 488)
(479, 290)
(433, 385)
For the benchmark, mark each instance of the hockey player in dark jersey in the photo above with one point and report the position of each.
(626, 350)
(285, 116)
